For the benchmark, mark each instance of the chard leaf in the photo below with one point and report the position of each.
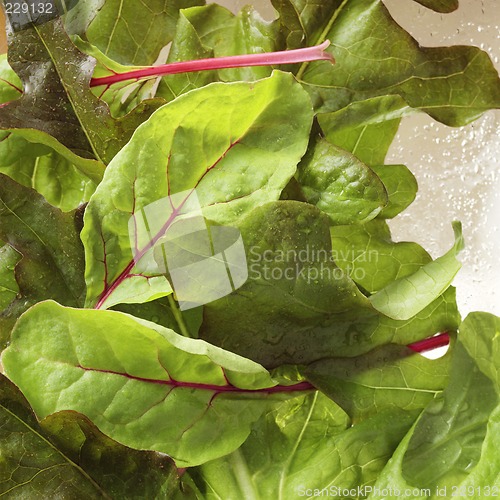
(153, 24)
(213, 31)
(8, 284)
(454, 85)
(121, 97)
(52, 264)
(407, 296)
(67, 457)
(454, 445)
(243, 150)
(387, 377)
(294, 288)
(68, 118)
(305, 445)
(367, 253)
(41, 168)
(303, 21)
(200, 400)
(401, 187)
(365, 128)
(11, 87)
(340, 185)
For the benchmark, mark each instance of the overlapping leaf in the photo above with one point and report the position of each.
(305, 446)
(340, 185)
(67, 457)
(8, 284)
(52, 264)
(213, 31)
(232, 145)
(200, 400)
(454, 446)
(452, 84)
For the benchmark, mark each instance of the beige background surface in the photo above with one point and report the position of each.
(457, 169)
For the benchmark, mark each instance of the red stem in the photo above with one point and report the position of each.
(316, 53)
(441, 340)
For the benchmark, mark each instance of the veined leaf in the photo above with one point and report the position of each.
(77, 462)
(454, 85)
(213, 31)
(199, 399)
(154, 28)
(366, 128)
(8, 284)
(454, 445)
(294, 289)
(386, 378)
(370, 257)
(52, 253)
(340, 185)
(69, 118)
(407, 296)
(305, 446)
(233, 146)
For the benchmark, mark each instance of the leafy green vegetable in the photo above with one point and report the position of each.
(67, 456)
(149, 378)
(453, 445)
(52, 255)
(406, 296)
(246, 159)
(271, 184)
(340, 185)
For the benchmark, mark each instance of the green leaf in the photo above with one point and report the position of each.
(121, 97)
(200, 400)
(386, 378)
(303, 21)
(454, 85)
(340, 185)
(401, 187)
(11, 87)
(153, 25)
(233, 143)
(8, 284)
(365, 128)
(78, 462)
(443, 6)
(454, 445)
(370, 257)
(213, 31)
(305, 445)
(68, 118)
(53, 261)
(41, 168)
(407, 296)
(294, 289)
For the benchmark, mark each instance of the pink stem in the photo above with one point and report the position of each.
(316, 53)
(441, 340)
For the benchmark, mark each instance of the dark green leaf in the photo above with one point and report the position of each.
(8, 284)
(52, 264)
(370, 257)
(294, 289)
(444, 6)
(66, 457)
(454, 85)
(303, 447)
(340, 185)
(135, 31)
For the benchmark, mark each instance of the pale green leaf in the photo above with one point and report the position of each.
(407, 296)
